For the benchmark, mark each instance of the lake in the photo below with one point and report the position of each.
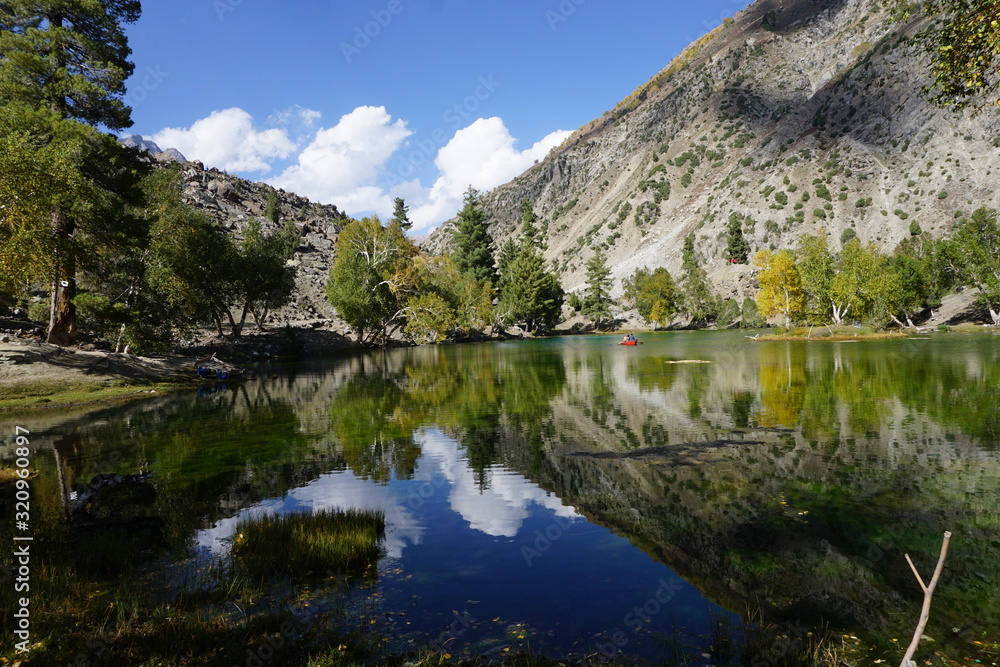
(576, 496)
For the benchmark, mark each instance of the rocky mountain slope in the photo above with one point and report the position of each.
(799, 116)
(232, 202)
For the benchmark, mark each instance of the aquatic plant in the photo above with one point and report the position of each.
(300, 543)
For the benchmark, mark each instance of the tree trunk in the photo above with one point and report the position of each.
(261, 318)
(62, 312)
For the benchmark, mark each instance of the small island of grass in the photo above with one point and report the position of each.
(831, 333)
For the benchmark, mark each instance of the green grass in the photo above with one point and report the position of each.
(45, 394)
(301, 543)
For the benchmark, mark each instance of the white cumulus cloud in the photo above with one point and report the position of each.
(228, 140)
(342, 163)
(359, 164)
(483, 155)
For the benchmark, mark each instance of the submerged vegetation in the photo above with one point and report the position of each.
(298, 543)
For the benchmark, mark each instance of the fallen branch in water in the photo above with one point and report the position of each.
(925, 611)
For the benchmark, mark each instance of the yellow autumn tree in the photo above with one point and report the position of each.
(781, 291)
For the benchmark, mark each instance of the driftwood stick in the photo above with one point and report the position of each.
(925, 611)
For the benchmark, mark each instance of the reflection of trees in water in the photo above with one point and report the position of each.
(209, 456)
(782, 383)
(375, 432)
(377, 410)
(824, 389)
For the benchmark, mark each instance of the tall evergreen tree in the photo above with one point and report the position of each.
(737, 248)
(401, 213)
(697, 299)
(67, 61)
(474, 245)
(529, 226)
(597, 299)
(529, 294)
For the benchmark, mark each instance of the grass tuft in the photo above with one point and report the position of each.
(302, 543)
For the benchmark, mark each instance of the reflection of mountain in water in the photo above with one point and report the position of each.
(790, 474)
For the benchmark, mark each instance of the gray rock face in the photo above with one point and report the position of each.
(232, 202)
(148, 145)
(803, 116)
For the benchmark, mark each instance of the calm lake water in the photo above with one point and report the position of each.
(582, 497)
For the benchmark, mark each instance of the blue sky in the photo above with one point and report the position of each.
(356, 103)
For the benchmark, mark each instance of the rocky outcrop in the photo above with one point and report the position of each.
(800, 116)
(232, 202)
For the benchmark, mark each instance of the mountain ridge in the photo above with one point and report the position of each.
(799, 117)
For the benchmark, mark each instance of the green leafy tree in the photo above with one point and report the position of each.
(265, 280)
(368, 280)
(117, 299)
(964, 44)
(597, 298)
(653, 294)
(976, 257)
(474, 245)
(401, 213)
(865, 284)
(69, 59)
(815, 265)
(272, 208)
(201, 271)
(737, 248)
(750, 314)
(781, 291)
(697, 301)
(191, 262)
(441, 302)
(33, 169)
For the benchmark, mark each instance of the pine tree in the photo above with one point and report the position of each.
(737, 248)
(401, 214)
(529, 293)
(474, 246)
(597, 299)
(697, 298)
(68, 63)
(529, 228)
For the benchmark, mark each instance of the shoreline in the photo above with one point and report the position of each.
(36, 376)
